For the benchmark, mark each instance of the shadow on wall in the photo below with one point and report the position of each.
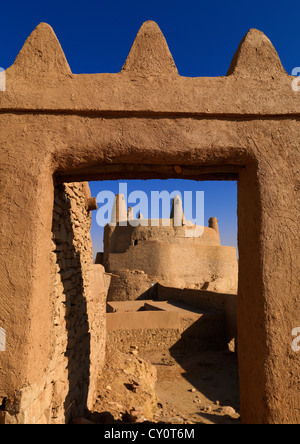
(150, 294)
(72, 330)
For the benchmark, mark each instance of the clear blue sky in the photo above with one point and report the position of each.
(203, 36)
(96, 35)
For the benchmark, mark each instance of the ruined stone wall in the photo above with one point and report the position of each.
(143, 339)
(204, 335)
(71, 274)
(150, 326)
(78, 304)
(77, 339)
(205, 300)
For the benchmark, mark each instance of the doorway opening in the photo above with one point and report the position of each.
(172, 298)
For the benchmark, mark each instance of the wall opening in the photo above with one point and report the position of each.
(172, 301)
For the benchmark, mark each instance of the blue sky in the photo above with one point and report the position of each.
(96, 35)
(203, 36)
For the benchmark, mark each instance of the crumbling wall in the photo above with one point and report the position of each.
(160, 326)
(71, 279)
(78, 304)
(77, 340)
(206, 300)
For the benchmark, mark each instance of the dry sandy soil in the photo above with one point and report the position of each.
(197, 387)
(157, 387)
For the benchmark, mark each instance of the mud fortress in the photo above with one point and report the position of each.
(173, 252)
(60, 130)
(180, 281)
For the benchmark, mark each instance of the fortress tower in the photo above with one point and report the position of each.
(173, 252)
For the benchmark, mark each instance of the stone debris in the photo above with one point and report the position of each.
(134, 352)
(132, 397)
(227, 411)
(137, 415)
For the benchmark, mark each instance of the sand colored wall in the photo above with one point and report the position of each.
(142, 320)
(118, 239)
(151, 325)
(77, 335)
(141, 123)
(205, 300)
(182, 265)
(159, 251)
(80, 324)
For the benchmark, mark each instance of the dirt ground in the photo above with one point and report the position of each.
(184, 387)
(196, 387)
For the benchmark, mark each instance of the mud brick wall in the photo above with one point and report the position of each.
(71, 272)
(78, 305)
(77, 297)
(145, 340)
(201, 335)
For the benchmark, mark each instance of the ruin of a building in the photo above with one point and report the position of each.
(147, 121)
(172, 252)
(172, 283)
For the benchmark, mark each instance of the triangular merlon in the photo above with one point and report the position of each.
(42, 54)
(150, 54)
(256, 57)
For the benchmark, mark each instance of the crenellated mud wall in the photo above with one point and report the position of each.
(142, 123)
